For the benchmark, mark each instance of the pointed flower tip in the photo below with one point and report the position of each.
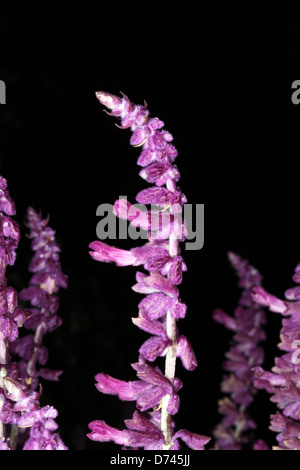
(107, 99)
(233, 257)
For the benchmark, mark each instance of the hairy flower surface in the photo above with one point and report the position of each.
(155, 392)
(233, 431)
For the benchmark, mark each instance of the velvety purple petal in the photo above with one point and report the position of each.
(127, 391)
(155, 283)
(185, 352)
(146, 157)
(262, 378)
(147, 253)
(151, 326)
(293, 293)
(103, 432)
(152, 172)
(153, 376)
(124, 210)
(156, 305)
(154, 347)
(151, 398)
(293, 410)
(262, 297)
(139, 136)
(175, 273)
(194, 441)
(139, 423)
(159, 196)
(106, 253)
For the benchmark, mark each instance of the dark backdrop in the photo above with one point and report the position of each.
(222, 85)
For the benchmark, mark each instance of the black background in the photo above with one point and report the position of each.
(221, 82)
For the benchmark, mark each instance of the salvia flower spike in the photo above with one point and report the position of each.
(46, 280)
(283, 382)
(155, 393)
(246, 352)
(21, 414)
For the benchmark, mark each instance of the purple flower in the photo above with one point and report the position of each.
(283, 381)
(44, 284)
(19, 402)
(233, 431)
(155, 393)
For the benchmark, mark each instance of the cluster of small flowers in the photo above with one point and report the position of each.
(20, 408)
(155, 393)
(283, 383)
(45, 282)
(245, 353)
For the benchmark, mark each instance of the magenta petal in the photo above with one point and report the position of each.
(152, 172)
(144, 433)
(262, 297)
(186, 353)
(175, 273)
(159, 196)
(194, 441)
(156, 305)
(151, 375)
(147, 253)
(146, 324)
(154, 283)
(154, 347)
(293, 410)
(151, 398)
(137, 217)
(103, 432)
(127, 391)
(139, 136)
(106, 253)
(293, 293)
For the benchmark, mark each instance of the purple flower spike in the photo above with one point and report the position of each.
(45, 282)
(233, 432)
(283, 380)
(19, 401)
(155, 393)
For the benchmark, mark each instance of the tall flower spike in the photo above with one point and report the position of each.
(45, 282)
(155, 393)
(19, 404)
(10, 320)
(283, 382)
(233, 431)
